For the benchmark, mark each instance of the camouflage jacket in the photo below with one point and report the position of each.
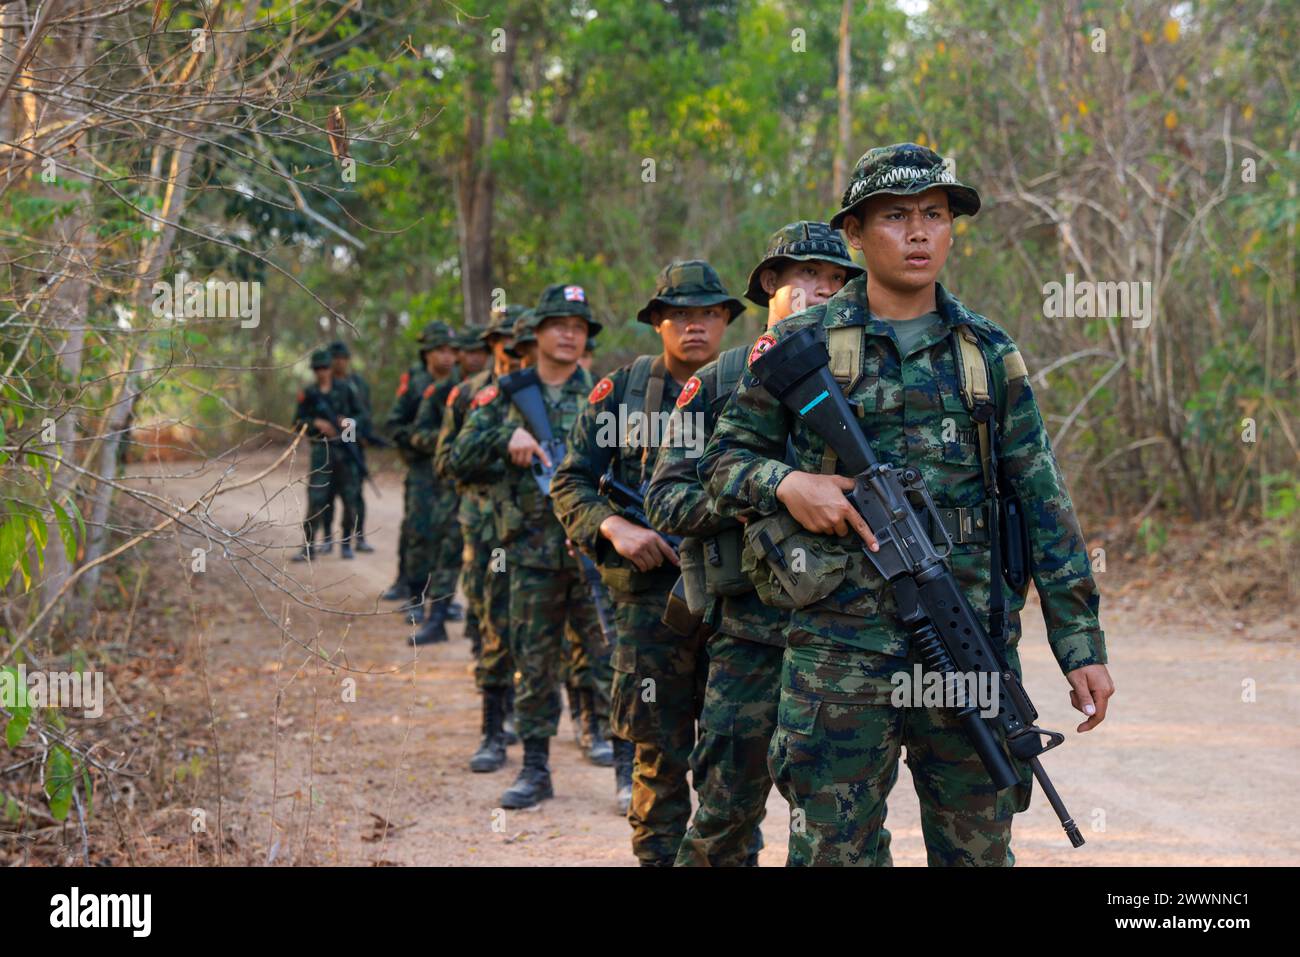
(312, 404)
(525, 522)
(402, 415)
(608, 431)
(366, 423)
(677, 503)
(475, 513)
(914, 414)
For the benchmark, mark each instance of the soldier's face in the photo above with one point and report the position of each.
(472, 360)
(340, 366)
(439, 361)
(691, 334)
(904, 239)
(798, 286)
(562, 338)
(324, 377)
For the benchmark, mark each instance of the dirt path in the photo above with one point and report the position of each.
(1184, 772)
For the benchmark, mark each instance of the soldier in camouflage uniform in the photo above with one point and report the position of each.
(437, 361)
(891, 339)
(472, 352)
(333, 470)
(547, 590)
(439, 551)
(341, 365)
(486, 589)
(805, 264)
(659, 675)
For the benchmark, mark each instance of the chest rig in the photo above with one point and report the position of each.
(1000, 521)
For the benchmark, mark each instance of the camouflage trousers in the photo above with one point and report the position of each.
(474, 558)
(496, 665)
(332, 474)
(657, 696)
(431, 534)
(544, 604)
(835, 756)
(360, 504)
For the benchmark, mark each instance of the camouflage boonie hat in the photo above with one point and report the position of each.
(904, 169)
(435, 335)
(503, 322)
(320, 358)
(525, 332)
(470, 340)
(804, 241)
(690, 282)
(565, 299)
(340, 348)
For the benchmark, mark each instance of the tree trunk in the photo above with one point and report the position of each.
(844, 86)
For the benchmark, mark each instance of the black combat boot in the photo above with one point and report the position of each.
(345, 549)
(475, 636)
(414, 606)
(491, 753)
(534, 782)
(397, 591)
(599, 751)
(508, 725)
(363, 545)
(624, 752)
(455, 611)
(304, 553)
(326, 546)
(433, 630)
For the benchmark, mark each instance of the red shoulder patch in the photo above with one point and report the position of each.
(403, 383)
(484, 396)
(688, 392)
(765, 341)
(602, 388)
(451, 396)
(429, 390)
(302, 396)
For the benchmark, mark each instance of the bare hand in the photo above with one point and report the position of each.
(523, 447)
(817, 503)
(324, 428)
(642, 547)
(1091, 688)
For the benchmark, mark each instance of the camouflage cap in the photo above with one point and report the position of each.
(904, 169)
(435, 335)
(690, 282)
(340, 348)
(503, 322)
(565, 299)
(320, 358)
(804, 241)
(525, 332)
(470, 340)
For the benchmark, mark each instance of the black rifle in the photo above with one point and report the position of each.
(631, 503)
(897, 506)
(524, 389)
(322, 410)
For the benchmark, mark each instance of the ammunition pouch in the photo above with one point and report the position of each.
(790, 566)
(677, 615)
(1015, 543)
(507, 517)
(694, 575)
(622, 577)
(723, 575)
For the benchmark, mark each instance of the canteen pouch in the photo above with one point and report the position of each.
(507, 516)
(723, 575)
(789, 566)
(695, 575)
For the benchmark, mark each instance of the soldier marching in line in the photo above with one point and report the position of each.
(936, 386)
(659, 675)
(547, 590)
(330, 411)
(805, 264)
(341, 366)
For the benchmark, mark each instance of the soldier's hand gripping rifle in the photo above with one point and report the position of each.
(631, 503)
(322, 410)
(524, 389)
(896, 504)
